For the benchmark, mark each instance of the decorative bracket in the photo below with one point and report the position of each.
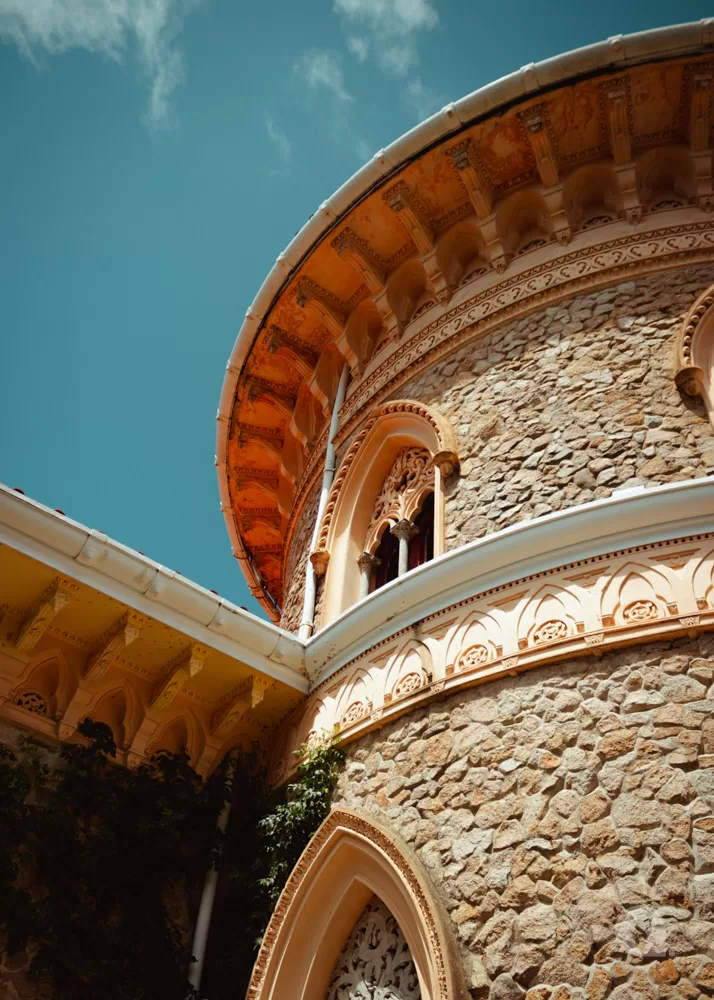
(355, 251)
(114, 640)
(541, 144)
(473, 178)
(315, 300)
(44, 610)
(248, 697)
(181, 669)
(413, 215)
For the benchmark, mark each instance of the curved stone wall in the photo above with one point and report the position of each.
(570, 403)
(566, 818)
(556, 409)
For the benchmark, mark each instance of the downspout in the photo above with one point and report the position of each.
(205, 910)
(307, 622)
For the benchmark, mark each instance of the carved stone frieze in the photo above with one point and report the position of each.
(376, 961)
(618, 607)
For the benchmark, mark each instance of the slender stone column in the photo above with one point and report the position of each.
(404, 530)
(366, 563)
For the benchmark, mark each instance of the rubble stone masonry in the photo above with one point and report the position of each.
(570, 403)
(566, 817)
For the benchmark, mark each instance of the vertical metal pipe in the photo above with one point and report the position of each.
(208, 896)
(307, 622)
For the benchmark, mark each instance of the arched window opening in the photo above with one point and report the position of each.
(376, 960)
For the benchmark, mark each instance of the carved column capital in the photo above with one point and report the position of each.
(368, 562)
(404, 530)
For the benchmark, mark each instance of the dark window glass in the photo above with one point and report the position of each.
(388, 555)
(421, 547)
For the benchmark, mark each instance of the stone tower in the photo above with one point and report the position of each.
(464, 450)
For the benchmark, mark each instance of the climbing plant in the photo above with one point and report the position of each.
(261, 854)
(98, 865)
(95, 864)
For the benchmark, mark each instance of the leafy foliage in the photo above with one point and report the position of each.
(261, 854)
(89, 855)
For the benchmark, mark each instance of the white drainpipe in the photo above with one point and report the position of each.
(205, 910)
(307, 622)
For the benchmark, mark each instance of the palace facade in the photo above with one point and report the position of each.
(466, 461)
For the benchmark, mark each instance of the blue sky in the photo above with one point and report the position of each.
(157, 156)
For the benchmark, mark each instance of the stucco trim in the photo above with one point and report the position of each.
(349, 859)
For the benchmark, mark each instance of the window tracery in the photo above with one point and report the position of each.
(376, 962)
(400, 535)
(32, 701)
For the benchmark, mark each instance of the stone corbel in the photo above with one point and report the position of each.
(412, 215)
(473, 178)
(42, 613)
(690, 380)
(299, 355)
(447, 462)
(320, 559)
(355, 252)
(618, 116)
(561, 224)
(315, 300)
(283, 402)
(541, 144)
(268, 438)
(111, 644)
(180, 670)
(247, 698)
(700, 111)
(627, 182)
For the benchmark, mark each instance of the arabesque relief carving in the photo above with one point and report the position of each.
(376, 962)
(410, 479)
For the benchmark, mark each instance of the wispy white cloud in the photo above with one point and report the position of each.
(424, 100)
(283, 145)
(111, 28)
(392, 27)
(319, 68)
(359, 47)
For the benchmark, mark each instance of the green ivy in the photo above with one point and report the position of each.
(88, 852)
(260, 855)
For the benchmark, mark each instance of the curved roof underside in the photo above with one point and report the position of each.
(338, 291)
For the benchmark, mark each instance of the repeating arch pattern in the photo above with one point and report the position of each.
(655, 591)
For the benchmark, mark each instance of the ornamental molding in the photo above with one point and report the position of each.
(407, 482)
(691, 356)
(640, 594)
(376, 960)
(583, 269)
(446, 453)
(346, 825)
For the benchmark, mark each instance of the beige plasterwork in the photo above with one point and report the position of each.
(631, 596)
(94, 657)
(528, 204)
(349, 859)
(345, 526)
